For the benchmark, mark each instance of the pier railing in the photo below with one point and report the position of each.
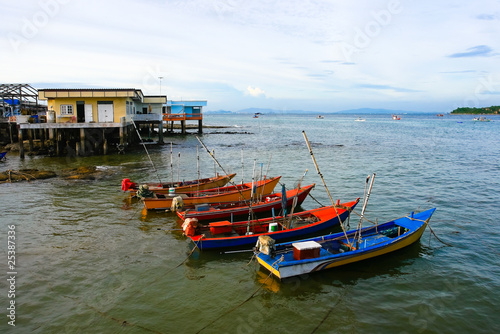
(182, 117)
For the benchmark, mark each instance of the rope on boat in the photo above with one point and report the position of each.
(321, 204)
(180, 264)
(237, 306)
(432, 231)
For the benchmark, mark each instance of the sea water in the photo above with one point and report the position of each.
(89, 260)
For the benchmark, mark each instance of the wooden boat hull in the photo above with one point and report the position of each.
(221, 195)
(273, 201)
(285, 265)
(182, 187)
(326, 217)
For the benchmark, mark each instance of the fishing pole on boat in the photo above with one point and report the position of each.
(178, 166)
(242, 167)
(251, 198)
(171, 164)
(317, 168)
(198, 167)
(150, 160)
(294, 203)
(357, 237)
(223, 170)
(265, 176)
(366, 196)
(324, 183)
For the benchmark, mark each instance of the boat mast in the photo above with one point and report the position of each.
(145, 149)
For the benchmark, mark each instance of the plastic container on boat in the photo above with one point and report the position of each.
(306, 250)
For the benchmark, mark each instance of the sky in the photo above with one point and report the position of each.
(429, 56)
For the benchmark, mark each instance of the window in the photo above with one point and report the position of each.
(66, 109)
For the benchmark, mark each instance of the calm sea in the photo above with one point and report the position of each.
(89, 261)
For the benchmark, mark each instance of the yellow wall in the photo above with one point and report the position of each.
(119, 106)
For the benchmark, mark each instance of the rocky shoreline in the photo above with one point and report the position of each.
(80, 173)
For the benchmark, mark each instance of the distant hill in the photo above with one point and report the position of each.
(285, 111)
(218, 112)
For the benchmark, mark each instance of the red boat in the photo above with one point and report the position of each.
(234, 209)
(181, 186)
(224, 235)
(217, 195)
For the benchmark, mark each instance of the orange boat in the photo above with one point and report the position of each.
(218, 195)
(180, 187)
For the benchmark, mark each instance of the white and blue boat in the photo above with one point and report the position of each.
(315, 254)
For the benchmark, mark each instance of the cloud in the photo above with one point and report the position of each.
(487, 17)
(255, 92)
(387, 87)
(476, 51)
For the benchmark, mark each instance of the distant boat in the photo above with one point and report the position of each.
(481, 119)
(256, 115)
(333, 250)
(440, 115)
(396, 117)
(320, 117)
(359, 119)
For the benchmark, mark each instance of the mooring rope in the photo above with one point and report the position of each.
(331, 310)
(237, 306)
(122, 322)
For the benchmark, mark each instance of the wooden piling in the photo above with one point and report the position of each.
(160, 132)
(30, 140)
(81, 151)
(21, 144)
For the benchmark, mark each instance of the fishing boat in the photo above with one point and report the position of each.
(181, 186)
(359, 119)
(396, 117)
(320, 117)
(227, 235)
(481, 119)
(232, 210)
(217, 195)
(333, 250)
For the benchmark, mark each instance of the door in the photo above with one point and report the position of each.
(105, 112)
(80, 111)
(89, 117)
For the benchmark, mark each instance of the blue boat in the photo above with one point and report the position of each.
(2, 155)
(329, 251)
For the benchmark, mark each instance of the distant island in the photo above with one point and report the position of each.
(481, 111)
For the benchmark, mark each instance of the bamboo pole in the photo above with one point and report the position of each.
(142, 142)
(324, 183)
